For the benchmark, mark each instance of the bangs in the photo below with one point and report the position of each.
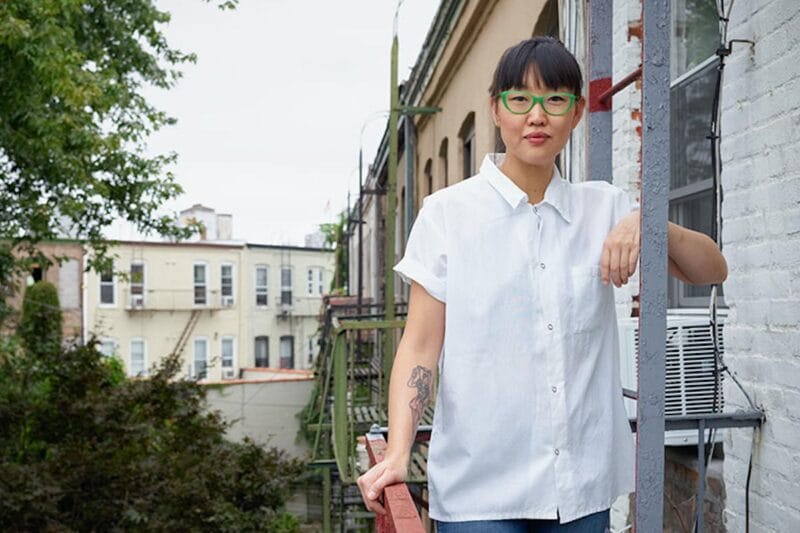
(545, 59)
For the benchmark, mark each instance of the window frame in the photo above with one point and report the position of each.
(112, 283)
(105, 340)
(195, 340)
(138, 262)
(466, 135)
(676, 289)
(222, 358)
(264, 288)
(143, 372)
(314, 283)
(255, 351)
(195, 285)
(222, 294)
(444, 162)
(290, 270)
(281, 358)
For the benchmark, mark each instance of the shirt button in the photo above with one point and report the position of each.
(541, 265)
(550, 327)
(554, 389)
(556, 451)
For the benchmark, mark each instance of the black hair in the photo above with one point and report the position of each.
(546, 57)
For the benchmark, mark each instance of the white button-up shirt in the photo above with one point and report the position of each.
(529, 419)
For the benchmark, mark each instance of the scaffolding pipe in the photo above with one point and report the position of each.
(653, 256)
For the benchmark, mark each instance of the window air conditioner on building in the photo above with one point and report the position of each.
(227, 301)
(137, 301)
(285, 308)
(227, 373)
(690, 377)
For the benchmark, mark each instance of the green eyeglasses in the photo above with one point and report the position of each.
(521, 102)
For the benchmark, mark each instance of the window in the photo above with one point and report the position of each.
(287, 351)
(107, 347)
(286, 285)
(200, 284)
(227, 350)
(443, 166)
(261, 285)
(429, 175)
(138, 359)
(467, 136)
(226, 284)
(547, 24)
(200, 359)
(37, 274)
(314, 285)
(262, 352)
(107, 292)
(310, 350)
(695, 37)
(137, 284)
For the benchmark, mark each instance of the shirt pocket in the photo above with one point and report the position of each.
(587, 299)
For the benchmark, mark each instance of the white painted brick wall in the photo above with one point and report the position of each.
(761, 238)
(627, 55)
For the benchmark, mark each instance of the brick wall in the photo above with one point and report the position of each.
(626, 118)
(761, 237)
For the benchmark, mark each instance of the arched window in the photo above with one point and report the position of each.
(262, 351)
(428, 173)
(443, 166)
(467, 136)
(547, 23)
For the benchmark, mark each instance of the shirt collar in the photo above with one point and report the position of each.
(556, 194)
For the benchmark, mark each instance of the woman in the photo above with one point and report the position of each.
(529, 432)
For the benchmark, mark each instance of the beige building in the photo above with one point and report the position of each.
(453, 72)
(224, 306)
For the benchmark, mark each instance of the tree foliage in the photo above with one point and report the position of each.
(336, 235)
(41, 320)
(83, 449)
(74, 122)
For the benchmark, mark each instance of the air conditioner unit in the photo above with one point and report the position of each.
(285, 308)
(137, 301)
(227, 301)
(227, 373)
(690, 378)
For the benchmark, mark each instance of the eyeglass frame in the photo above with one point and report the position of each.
(538, 99)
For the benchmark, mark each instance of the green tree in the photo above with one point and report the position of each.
(41, 320)
(74, 122)
(336, 236)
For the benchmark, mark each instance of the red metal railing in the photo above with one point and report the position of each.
(401, 513)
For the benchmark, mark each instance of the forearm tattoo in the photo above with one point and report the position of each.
(421, 379)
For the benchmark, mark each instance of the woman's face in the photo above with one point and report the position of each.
(535, 138)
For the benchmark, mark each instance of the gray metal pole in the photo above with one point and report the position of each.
(701, 483)
(653, 277)
(600, 64)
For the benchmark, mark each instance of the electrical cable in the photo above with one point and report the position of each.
(722, 51)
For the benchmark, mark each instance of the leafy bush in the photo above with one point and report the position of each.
(82, 448)
(40, 323)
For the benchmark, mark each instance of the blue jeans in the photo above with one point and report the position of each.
(593, 523)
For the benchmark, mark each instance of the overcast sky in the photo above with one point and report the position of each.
(270, 115)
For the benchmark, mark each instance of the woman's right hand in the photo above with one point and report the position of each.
(373, 481)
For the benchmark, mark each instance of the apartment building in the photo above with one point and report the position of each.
(223, 305)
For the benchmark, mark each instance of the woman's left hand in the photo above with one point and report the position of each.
(621, 251)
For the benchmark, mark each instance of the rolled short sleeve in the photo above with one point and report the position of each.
(425, 258)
